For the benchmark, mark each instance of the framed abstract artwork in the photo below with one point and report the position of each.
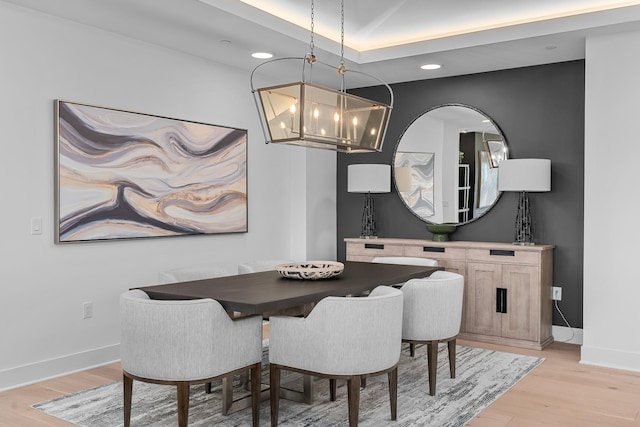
(417, 191)
(124, 175)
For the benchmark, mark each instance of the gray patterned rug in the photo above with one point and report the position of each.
(481, 377)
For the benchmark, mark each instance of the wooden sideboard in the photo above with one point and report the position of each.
(507, 297)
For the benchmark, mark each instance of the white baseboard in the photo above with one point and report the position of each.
(568, 335)
(610, 358)
(52, 368)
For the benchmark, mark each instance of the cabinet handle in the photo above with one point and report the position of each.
(501, 252)
(501, 300)
(432, 249)
(373, 246)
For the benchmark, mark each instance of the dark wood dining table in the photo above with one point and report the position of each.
(268, 292)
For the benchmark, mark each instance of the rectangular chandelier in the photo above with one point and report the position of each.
(314, 116)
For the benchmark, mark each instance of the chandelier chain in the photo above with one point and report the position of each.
(342, 32)
(312, 45)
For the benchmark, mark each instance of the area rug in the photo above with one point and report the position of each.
(482, 376)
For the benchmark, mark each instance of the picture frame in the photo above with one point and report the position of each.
(127, 175)
(418, 194)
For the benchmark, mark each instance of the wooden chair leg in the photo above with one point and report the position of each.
(183, 404)
(127, 391)
(207, 388)
(332, 389)
(227, 394)
(353, 391)
(255, 393)
(432, 361)
(363, 382)
(451, 345)
(274, 392)
(412, 349)
(307, 389)
(393, 392)
(245, 381)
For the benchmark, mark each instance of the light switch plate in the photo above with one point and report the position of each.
(36, 225)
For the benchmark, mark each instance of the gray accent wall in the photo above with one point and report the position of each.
(540, 111)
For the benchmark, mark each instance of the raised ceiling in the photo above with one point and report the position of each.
(389, 39)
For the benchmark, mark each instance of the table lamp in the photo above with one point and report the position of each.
(368, 179)
(524, 175)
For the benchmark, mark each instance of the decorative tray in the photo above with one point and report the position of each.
(310, 270)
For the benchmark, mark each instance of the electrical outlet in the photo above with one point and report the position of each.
(87, 310)
(556, 293)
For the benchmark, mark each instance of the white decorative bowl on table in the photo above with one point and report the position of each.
(310, 270)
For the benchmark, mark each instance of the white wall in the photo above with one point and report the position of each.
(612, 154)
(44, 285)
(322, 219)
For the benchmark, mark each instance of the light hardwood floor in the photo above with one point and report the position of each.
(559, 392)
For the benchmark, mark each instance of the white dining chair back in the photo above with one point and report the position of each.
(342, 338)
(432, 314)
(185, 342)
(404, 260)
(259, 266)
(200, 272)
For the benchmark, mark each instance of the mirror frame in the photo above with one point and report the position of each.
(395, 151)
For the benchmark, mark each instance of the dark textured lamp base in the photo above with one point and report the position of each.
(523, 232)
(368, 230)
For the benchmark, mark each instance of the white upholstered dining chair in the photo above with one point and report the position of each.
(186, 342)
(342, 338)
(433, 314)
(405, 260)
(259, 265)
(186, 274)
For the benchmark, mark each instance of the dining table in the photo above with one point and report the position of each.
(269, 293)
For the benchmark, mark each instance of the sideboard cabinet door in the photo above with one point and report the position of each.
(522, 318)
(480, 299)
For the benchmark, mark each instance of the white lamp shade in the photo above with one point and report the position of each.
(369, 178)
(524, 175)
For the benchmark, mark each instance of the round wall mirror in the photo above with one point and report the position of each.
(445, 164)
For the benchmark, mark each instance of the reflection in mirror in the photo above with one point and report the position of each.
(445, 164)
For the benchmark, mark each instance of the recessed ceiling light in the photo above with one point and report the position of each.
(262, 55)
(430, 66)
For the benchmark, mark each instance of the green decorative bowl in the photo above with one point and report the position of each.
(441, 231)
